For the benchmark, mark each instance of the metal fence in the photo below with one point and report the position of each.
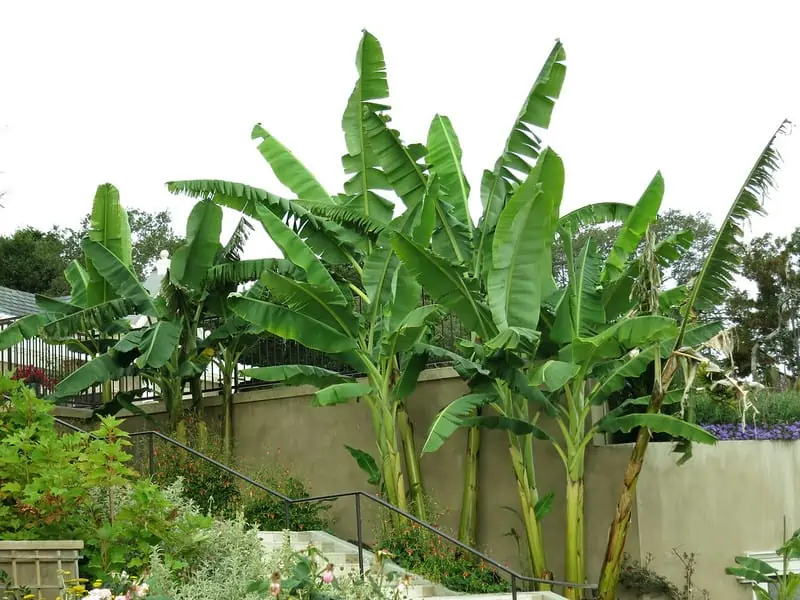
(57, 361)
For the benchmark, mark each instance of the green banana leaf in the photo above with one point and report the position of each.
(291, 325)
(444, 283)
(78, 279)
(191, 261)
(450, 419)
(340, 393)
(297, 375)
(522, 246)
(119, 277)
(109, 228)
(158, 345)
(360, 161)
(633, 229)
(660, 424)
(289, 171)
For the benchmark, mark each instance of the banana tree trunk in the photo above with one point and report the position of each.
(528, 497)
(574, 546)
(390, 459)
(172, 395)
(227, 409)
(612, 563)
(468, 526)
(413, 470)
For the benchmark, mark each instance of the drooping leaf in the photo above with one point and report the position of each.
(711, 285)
(515, 426)
(325, 237)
(96, 318)
(158, 344)
(522, 146)
(660, 423)
(451, 417)
(340, 393)
(444, 283)
(55, 306)
(242, 271)
(78, 279)
(289, 171)
(119, 277)
(288, 324)
(313, 301)
(409, 375)
(96, 371)
(522, 246)
(514, 338)
(109, 228)
(123, 400)
(644, 213)
(26, 328)
(232, 251)
(296, 250)
(192, 260)
(594, 214)
(367, 464)
(297, 375)
(349, 215)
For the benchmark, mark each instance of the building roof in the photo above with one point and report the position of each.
(14, 303)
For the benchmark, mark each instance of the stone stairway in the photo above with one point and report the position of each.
(344, 556)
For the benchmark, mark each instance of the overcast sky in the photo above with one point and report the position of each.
(153, 91)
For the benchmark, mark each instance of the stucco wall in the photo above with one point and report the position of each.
(727, 500)
(312, 441)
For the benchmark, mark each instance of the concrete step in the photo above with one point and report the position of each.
(344, 556)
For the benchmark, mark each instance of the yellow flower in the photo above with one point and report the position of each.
(28, 597)
(97, 584)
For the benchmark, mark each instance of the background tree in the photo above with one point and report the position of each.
(151, 232)
(33, 261)
(670, 222)
(767, 322)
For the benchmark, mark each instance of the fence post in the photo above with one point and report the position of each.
(287, 513)
(359, 535)
(513, 586)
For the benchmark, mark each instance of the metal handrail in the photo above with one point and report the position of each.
(356, 495)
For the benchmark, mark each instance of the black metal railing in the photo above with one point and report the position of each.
(57, 361)
(357, 496)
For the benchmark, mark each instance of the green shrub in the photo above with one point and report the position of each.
(72, 486)
(429, 556)
(224, 495)
(214, 490)
(773, 408)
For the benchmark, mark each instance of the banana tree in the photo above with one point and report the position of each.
(164, 347)
(94, 314)
(707, 290)
(373, 320)
(556, 352)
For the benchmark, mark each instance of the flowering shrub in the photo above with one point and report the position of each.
(117, 586)
(31, 375)
(735, 431)
(429, 556)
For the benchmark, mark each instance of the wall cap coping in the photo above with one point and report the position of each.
(261, 394)
(41, 545)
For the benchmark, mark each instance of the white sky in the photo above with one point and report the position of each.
(145, 92)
